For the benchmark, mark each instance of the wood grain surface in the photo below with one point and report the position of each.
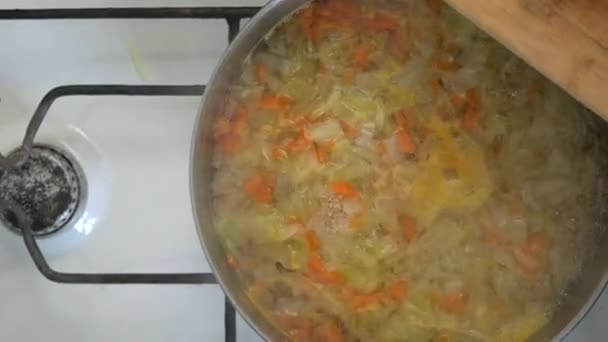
(566, 40)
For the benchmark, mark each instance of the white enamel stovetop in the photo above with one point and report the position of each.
(135, 151)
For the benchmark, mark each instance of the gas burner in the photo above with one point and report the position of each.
(48, 185)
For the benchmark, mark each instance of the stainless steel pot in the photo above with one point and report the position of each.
(581, 296)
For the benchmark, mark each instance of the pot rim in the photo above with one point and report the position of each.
(243, 35)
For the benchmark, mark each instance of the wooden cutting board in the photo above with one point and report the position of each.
(566, 40)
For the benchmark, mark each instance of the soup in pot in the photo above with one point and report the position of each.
(385, 171)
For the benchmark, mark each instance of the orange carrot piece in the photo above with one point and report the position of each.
(320, 153)
(350, 75)
(537, 242)
(397, 290)
(409, 227)
(300, 143)
(349, 130)
(436, 85)
(459, 100)
(313, 240)
(260, 72)
(331, 332)
(333, 277)
(444, 61)
(474, 97)
(229, 143)
(346, 8)
(473, 111)
(226, 132)
(400, 118)
(344, 189)
(307, 22)
(297, 326)
(454, 302)
(279, 154)
(398, 46)
(492, 237)
(384, 21)
(470, 119)
(276, 102)
(259, 188)
(303, 331)
(361, 57)
(357, 220)
(269, 178)
(316, 264)
(293, 220)
(338, 11)
(526, 260)
(363, 301)
(406, 143)
(318, 269)
(404, 138)
(334, 15)
(222, 126)
(231, 261)
(443, 338)
(239, 120)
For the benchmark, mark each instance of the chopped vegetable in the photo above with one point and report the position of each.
(316, 264)
(349, 130)
(275, 102)
(409, 227)
(537, 242)
(445, 62)
(527, 260)
(231, 260)
(300, 143)
(229, 143)
(361, 57)
(326, 130)
(406, 143)
(344, 189)
(363, 301)
(261, 72)
(330, 332)
(260, 187)
(308, 23)
(453, 302)
(313, 240)
(320, 153)
(435, 6)
(384, 21)
(319, 271)
(472, 113)
(443, 338)
(397, 290)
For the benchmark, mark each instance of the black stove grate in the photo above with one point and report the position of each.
(233, 17)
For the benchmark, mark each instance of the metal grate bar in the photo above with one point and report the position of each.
(229, 321)
(233, 16)
(131, 13)
(97, 90)
(28, 141)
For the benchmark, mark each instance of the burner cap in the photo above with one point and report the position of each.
(48, 186)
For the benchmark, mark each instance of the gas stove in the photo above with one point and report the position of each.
(107, 99)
